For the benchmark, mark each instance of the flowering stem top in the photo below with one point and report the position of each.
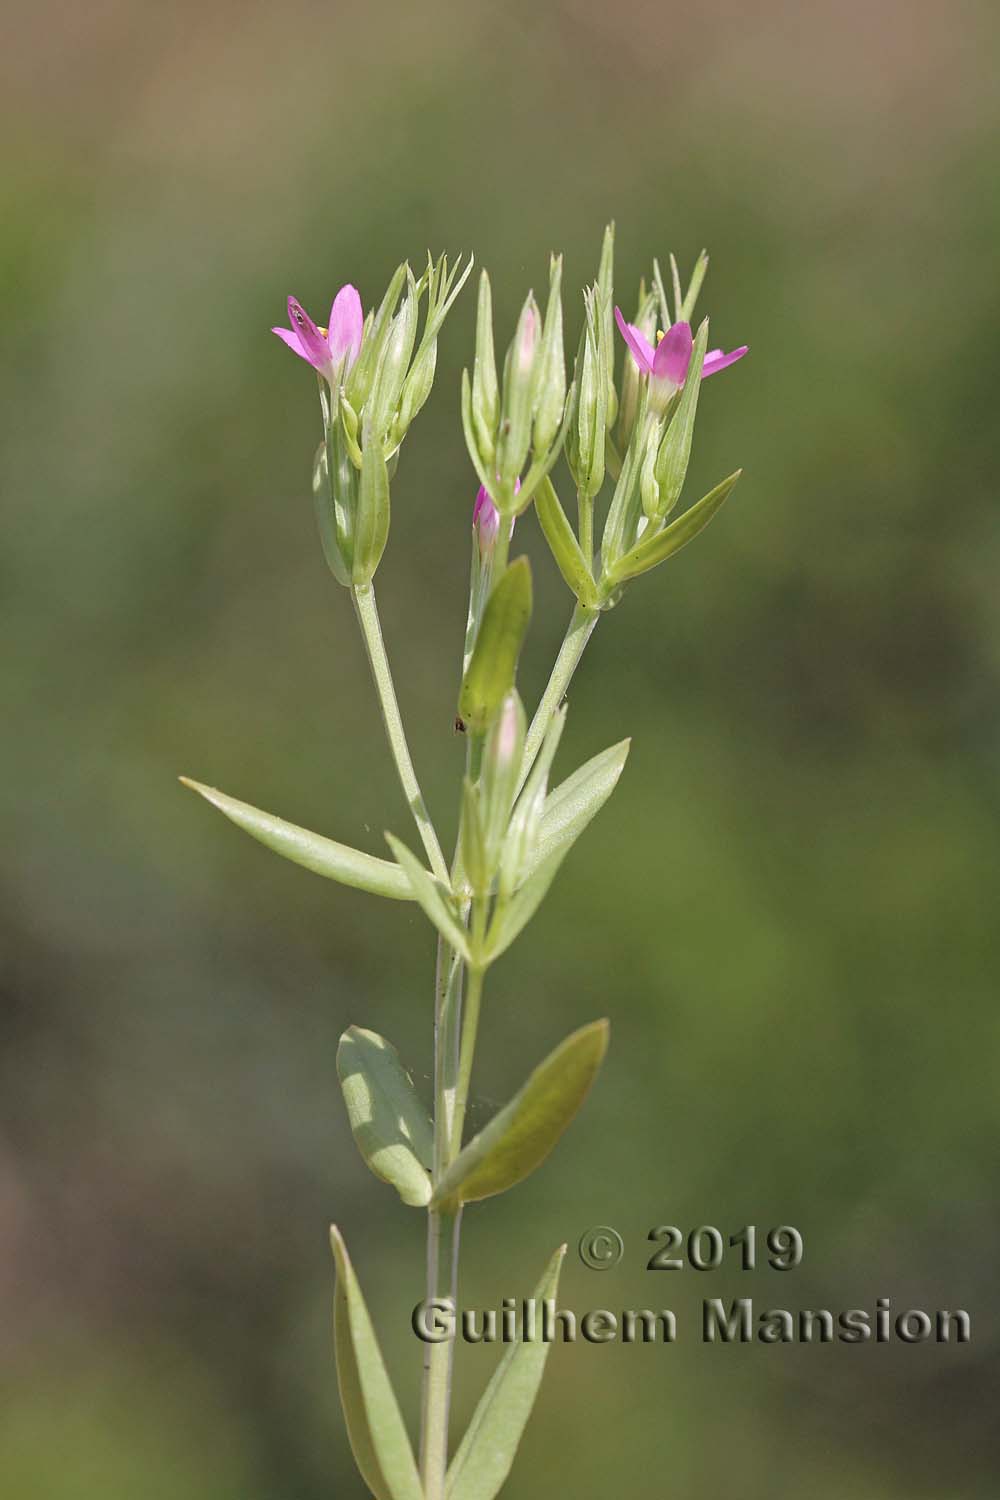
(375, 373)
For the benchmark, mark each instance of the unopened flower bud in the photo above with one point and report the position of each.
(550, 387)
(527, 339)
(593, 393)
(514, 437)
(485, 521)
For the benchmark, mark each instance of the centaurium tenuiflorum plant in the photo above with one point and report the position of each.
(374, 375)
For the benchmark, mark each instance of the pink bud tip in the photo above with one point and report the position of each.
(485, 519)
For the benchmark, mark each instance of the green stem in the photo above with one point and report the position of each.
(470, 1027)
(442, 1271)
(443, 1230)
(455, 1028)
(367, 613)
(578, 633)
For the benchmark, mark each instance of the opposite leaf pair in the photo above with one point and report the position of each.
(375, 1426)
(394, 1134)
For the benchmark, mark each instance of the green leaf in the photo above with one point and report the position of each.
(375, 1427)
(563, 543)
(486, 1452)
(675, 450)
(575, 801)
(435, 900)
(311, 850)
(490, 673)
(522, 831)
(657, 549)
(512, 917)
(388, 1121)
(520, 1137)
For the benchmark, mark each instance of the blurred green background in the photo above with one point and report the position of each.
(788, 915)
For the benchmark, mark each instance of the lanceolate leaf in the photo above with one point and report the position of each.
(563, 543)
(387, 1119)
(572, 804)
(487, 1450)
(511, 919)
(491, 671)
(677, 535)
(433, 897)
(375, 1427)
(520, 1137)
(311, 850)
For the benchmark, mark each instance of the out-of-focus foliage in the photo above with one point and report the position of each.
(795, 939)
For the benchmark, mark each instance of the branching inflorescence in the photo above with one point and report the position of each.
(375, 373)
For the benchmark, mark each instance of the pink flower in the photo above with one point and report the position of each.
(486, 519)
(332, 351)
(670, 359)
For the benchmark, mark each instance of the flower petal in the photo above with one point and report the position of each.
(346, 323)
(673, 354)
(313, 343)
(292, 340)
(640, 347)
(718, 361)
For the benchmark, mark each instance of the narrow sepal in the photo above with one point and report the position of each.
(694, 286)
(485, 389)
(520, 1137)
(388, 1121)
(675, 450)
(372, 524)
(472, 438)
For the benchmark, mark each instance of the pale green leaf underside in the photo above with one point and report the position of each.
(388, 1121)
(520, 1137)
(487, 1450)
(512, 919)
(375, 1427)
(311, 850)
(575, 801)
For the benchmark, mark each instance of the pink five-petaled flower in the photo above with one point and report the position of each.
(332, 351)
(669, 361)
